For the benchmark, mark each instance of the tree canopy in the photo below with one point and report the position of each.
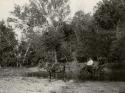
(49, 36)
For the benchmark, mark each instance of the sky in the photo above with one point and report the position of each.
(7, 5)
(85, 5)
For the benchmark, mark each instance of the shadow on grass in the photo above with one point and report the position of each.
(115, 75)
(44, 74)
(39, 74)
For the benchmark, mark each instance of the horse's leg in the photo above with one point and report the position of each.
(50, 76)
(64, 76)
(54, 76)
(64, 73)
(99, 71)
(93, 74)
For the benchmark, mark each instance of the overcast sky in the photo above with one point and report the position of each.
(7, 5)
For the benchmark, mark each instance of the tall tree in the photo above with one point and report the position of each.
(39, 16)
(82, 27)
(109, 13)
(110, 16)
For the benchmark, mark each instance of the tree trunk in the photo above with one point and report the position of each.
(19, 59)
(55, 56)
(26, 53)
(74, 57)
(77, 37)
(118, 34)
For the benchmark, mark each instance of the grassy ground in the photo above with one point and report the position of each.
(13, 80)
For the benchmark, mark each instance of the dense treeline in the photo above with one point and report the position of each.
(85, 36)
(49, 35)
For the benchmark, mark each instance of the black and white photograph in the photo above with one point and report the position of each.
(62, 46)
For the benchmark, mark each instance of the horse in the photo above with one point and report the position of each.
(53, 69)
(95, 70)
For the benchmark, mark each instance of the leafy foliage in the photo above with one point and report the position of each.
(7, 45)
(49, 38)
(109, 13)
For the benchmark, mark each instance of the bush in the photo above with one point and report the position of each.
(118, 75)
(118, 72)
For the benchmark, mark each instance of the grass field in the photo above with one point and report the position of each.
(13, 80)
